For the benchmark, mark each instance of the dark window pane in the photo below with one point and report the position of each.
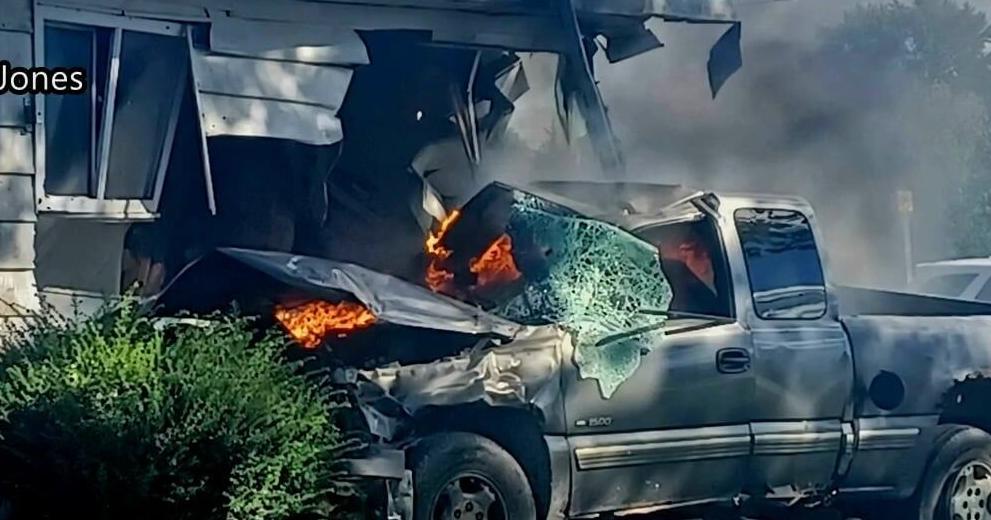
(69, 118)
(949, 284)
(783, 264)
(150, 71)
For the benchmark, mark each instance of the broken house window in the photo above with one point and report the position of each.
(104, 150)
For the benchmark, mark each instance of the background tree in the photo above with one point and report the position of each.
(940, 48)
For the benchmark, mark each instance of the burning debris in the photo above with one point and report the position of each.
(496, 264)
(438, 278)
(312, 322)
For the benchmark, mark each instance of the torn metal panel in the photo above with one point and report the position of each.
(577, 82)
(523, 372)
(725, 58)
(390, 299)
(245, 117)
(298, 42)
(277, 80)
(513, 83)
(631, 42)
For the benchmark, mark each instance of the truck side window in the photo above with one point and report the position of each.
(783, 264)
(694, 263)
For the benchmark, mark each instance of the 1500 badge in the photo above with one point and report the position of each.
(594, 422)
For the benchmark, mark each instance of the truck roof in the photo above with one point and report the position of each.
(635, 204)
(959, 262)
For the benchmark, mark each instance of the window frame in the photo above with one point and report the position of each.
(724, 259)
(99, 206)
(747, 263)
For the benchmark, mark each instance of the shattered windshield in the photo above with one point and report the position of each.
(591, 278)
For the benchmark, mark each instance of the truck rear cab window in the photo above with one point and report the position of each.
(783, 264)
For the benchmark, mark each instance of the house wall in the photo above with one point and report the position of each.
(17, 168)
(265, 69)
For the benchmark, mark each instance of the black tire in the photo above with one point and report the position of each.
(469, 460)
(958, 448)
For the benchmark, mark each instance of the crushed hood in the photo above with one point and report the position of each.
(222, 276)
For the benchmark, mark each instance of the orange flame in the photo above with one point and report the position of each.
(437, 277)
(310, 323)
(433, 241)
(496, 264)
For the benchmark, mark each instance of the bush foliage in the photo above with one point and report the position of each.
(112, 417)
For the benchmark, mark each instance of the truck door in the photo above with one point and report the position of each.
(677, 430)
(802, 363)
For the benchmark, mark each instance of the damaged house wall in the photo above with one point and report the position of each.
(219, 123)
(17, 168)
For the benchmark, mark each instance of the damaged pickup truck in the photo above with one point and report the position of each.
(580, 348)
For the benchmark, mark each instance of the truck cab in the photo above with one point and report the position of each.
(655, 349)
(750, 392)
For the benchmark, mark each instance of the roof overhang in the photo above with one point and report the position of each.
(697, 11)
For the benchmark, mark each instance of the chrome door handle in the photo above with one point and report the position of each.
(732, 361)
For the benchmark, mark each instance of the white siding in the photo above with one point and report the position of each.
(17, 198)
(268, 79)
(17, 239)
(16, 150)
(17, 293)
(17, 168)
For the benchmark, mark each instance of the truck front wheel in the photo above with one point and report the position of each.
(463, 476)
(957, 484)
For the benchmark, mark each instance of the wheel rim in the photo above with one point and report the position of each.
(469, 497)
(970, 496)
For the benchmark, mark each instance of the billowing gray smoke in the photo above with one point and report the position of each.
(800, 119)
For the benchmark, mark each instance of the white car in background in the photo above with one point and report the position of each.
(967, 278)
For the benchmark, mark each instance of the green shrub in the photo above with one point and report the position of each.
(110, 417)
